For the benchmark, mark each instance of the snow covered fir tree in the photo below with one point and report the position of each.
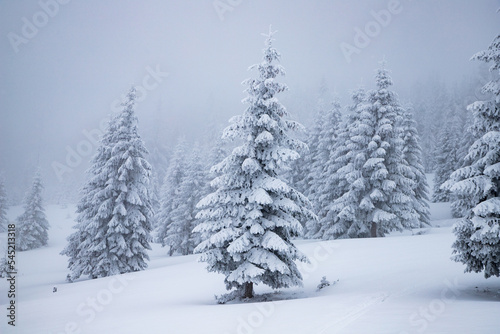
(446, 155)
(115, 211)
(32, 224)
(379, 194)
(169, 191)
(478, 234)
(3, 207)
(253, 214)
(319, 191)
(333, 182)
(4, 267)
(192, 187)
(93, 195)
(412, 155)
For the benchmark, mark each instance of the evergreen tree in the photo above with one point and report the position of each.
(217, 154)
(32, 224)
(412, 154)
(462, 203)
(447, 159)
(180, 236)
(340, 162)
(307, 164)
(169, 191)
(3, 207)
(304, 169)
(113, 236)
(378, 197)
(4, 265)
(324, 193)
(159, 163)
(478, 234)
(93, 194)
(253, 214)
(431, 104)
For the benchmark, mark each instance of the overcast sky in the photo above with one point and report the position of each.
(65, 66)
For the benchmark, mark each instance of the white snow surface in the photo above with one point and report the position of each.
(404, 283)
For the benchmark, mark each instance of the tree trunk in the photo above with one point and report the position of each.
(373, 230)
(248, 293)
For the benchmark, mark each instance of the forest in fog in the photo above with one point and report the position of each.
(274, 142)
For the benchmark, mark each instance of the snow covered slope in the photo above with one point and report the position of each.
(400, 284)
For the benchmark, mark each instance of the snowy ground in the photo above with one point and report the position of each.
(404, 283)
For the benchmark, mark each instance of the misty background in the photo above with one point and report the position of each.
(69, 74)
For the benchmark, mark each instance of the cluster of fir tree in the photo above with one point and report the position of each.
(186, 182)
(363, 172)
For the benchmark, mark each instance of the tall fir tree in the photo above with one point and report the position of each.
(462, 203)
(378, 198)
(217, 154)
(253, 214)
(93, 194)
(324, 193)
(412, 155)
(3, 206)
(341, 161)
(169, 191)
(304, 166)
(478, 234)
(32, 224)
(193, 185)
(303, 169)
(431, 99)
(159, 163)
(113, 237)
(447, 159)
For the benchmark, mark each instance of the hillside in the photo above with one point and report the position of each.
(400, 284)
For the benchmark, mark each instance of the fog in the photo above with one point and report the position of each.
(65, 65)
